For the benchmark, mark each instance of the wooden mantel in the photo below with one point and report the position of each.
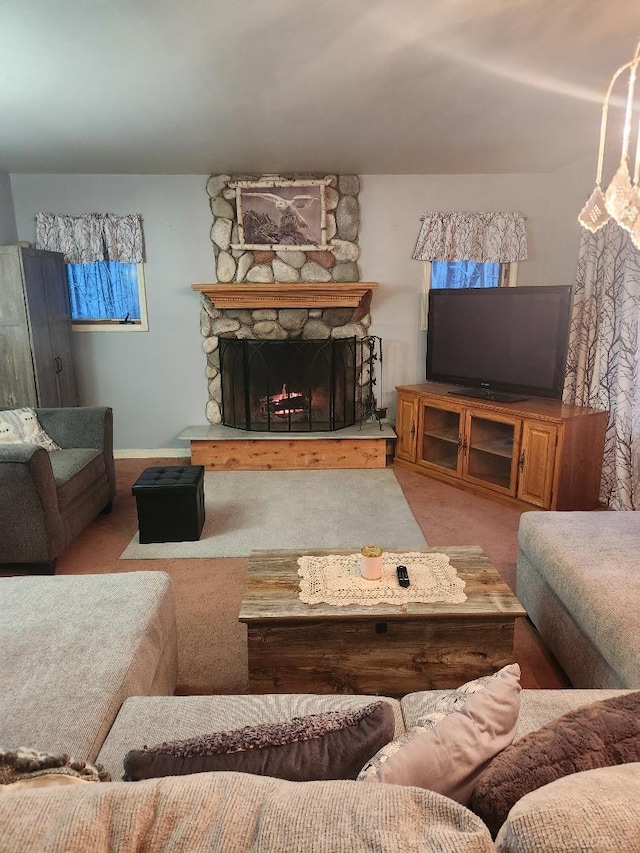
(285, 295)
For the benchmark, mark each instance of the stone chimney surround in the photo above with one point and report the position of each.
(279, 311)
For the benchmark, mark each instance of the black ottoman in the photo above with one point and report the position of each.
(170, 501)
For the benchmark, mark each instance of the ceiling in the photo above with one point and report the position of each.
(267, 86)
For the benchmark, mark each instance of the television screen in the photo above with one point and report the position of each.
(503, 339)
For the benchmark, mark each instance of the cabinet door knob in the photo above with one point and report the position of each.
(413, 429)
(521, 462)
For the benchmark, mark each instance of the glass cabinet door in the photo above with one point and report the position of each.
(440, 437)
(490, 451)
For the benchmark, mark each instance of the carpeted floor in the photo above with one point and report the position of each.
(212, 656)
(256, 510)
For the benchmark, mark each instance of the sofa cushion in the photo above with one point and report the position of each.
(448, 751)
(234, 813)
(589, 561)
(154, 719)
(76, 470)
(539, 707)
(599, 735)
(591, 810)
(21, 426)
(333, 745)
(74, 648)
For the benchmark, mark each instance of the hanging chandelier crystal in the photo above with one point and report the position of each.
(621, 201)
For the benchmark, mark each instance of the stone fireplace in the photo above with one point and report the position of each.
(273, 290)
(295, 313)
(270, 312)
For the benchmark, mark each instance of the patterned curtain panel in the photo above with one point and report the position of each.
(92, 237)
(482, 237)
(602, 366)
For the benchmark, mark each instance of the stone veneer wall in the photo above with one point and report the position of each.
(342, 222)
(275, 325)
(339, 264)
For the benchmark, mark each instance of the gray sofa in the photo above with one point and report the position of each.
(578, 579)
(48, 498)
(74, 647)
(82, 656)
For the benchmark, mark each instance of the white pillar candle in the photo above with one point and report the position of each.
(371, 562)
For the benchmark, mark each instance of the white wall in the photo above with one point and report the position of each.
(391, 207)
(156, 381)
(8, 230)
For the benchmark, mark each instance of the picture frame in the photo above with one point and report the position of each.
(281, 215)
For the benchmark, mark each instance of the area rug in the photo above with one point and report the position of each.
(253, 510)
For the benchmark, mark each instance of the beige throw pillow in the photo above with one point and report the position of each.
(21, 426)
(449, 756)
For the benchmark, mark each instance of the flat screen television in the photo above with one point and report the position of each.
(501, 342)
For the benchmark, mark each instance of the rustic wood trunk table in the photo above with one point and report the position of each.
(381, 649)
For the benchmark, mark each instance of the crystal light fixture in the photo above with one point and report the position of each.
(621, 201)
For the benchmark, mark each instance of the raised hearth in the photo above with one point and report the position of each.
(221, 448)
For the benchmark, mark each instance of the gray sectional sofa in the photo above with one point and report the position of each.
(74, 647)
(89, 666)
(578, 578)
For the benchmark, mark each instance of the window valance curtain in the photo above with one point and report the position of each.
(92, 237)
(481, 237)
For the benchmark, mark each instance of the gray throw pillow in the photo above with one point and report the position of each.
(332, 745)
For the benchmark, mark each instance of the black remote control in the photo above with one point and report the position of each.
(403, 576)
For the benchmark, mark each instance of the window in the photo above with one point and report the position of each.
(104, 254)
(107, 295)
(440, 274)
(471, 274)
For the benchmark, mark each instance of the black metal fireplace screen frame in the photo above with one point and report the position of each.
(288, 386)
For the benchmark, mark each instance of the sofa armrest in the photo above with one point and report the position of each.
(32, 529)
(83, 426)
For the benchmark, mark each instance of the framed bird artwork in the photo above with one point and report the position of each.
(280, 214)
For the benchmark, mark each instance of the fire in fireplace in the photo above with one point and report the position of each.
(290, 385)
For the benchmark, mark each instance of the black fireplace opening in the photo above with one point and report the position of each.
(288, 386)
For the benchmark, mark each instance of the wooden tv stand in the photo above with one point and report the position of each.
(532, 453)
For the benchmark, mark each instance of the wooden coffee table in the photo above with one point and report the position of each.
(380, 649)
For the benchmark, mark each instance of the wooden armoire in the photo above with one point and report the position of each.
(36, 348)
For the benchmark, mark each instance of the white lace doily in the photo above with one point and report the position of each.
(335, 579)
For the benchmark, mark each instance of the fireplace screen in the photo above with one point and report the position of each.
(288, 386)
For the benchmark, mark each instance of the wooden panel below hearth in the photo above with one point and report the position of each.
(289, 454)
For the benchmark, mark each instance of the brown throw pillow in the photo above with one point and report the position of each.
(333, 745)
(602, 734)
